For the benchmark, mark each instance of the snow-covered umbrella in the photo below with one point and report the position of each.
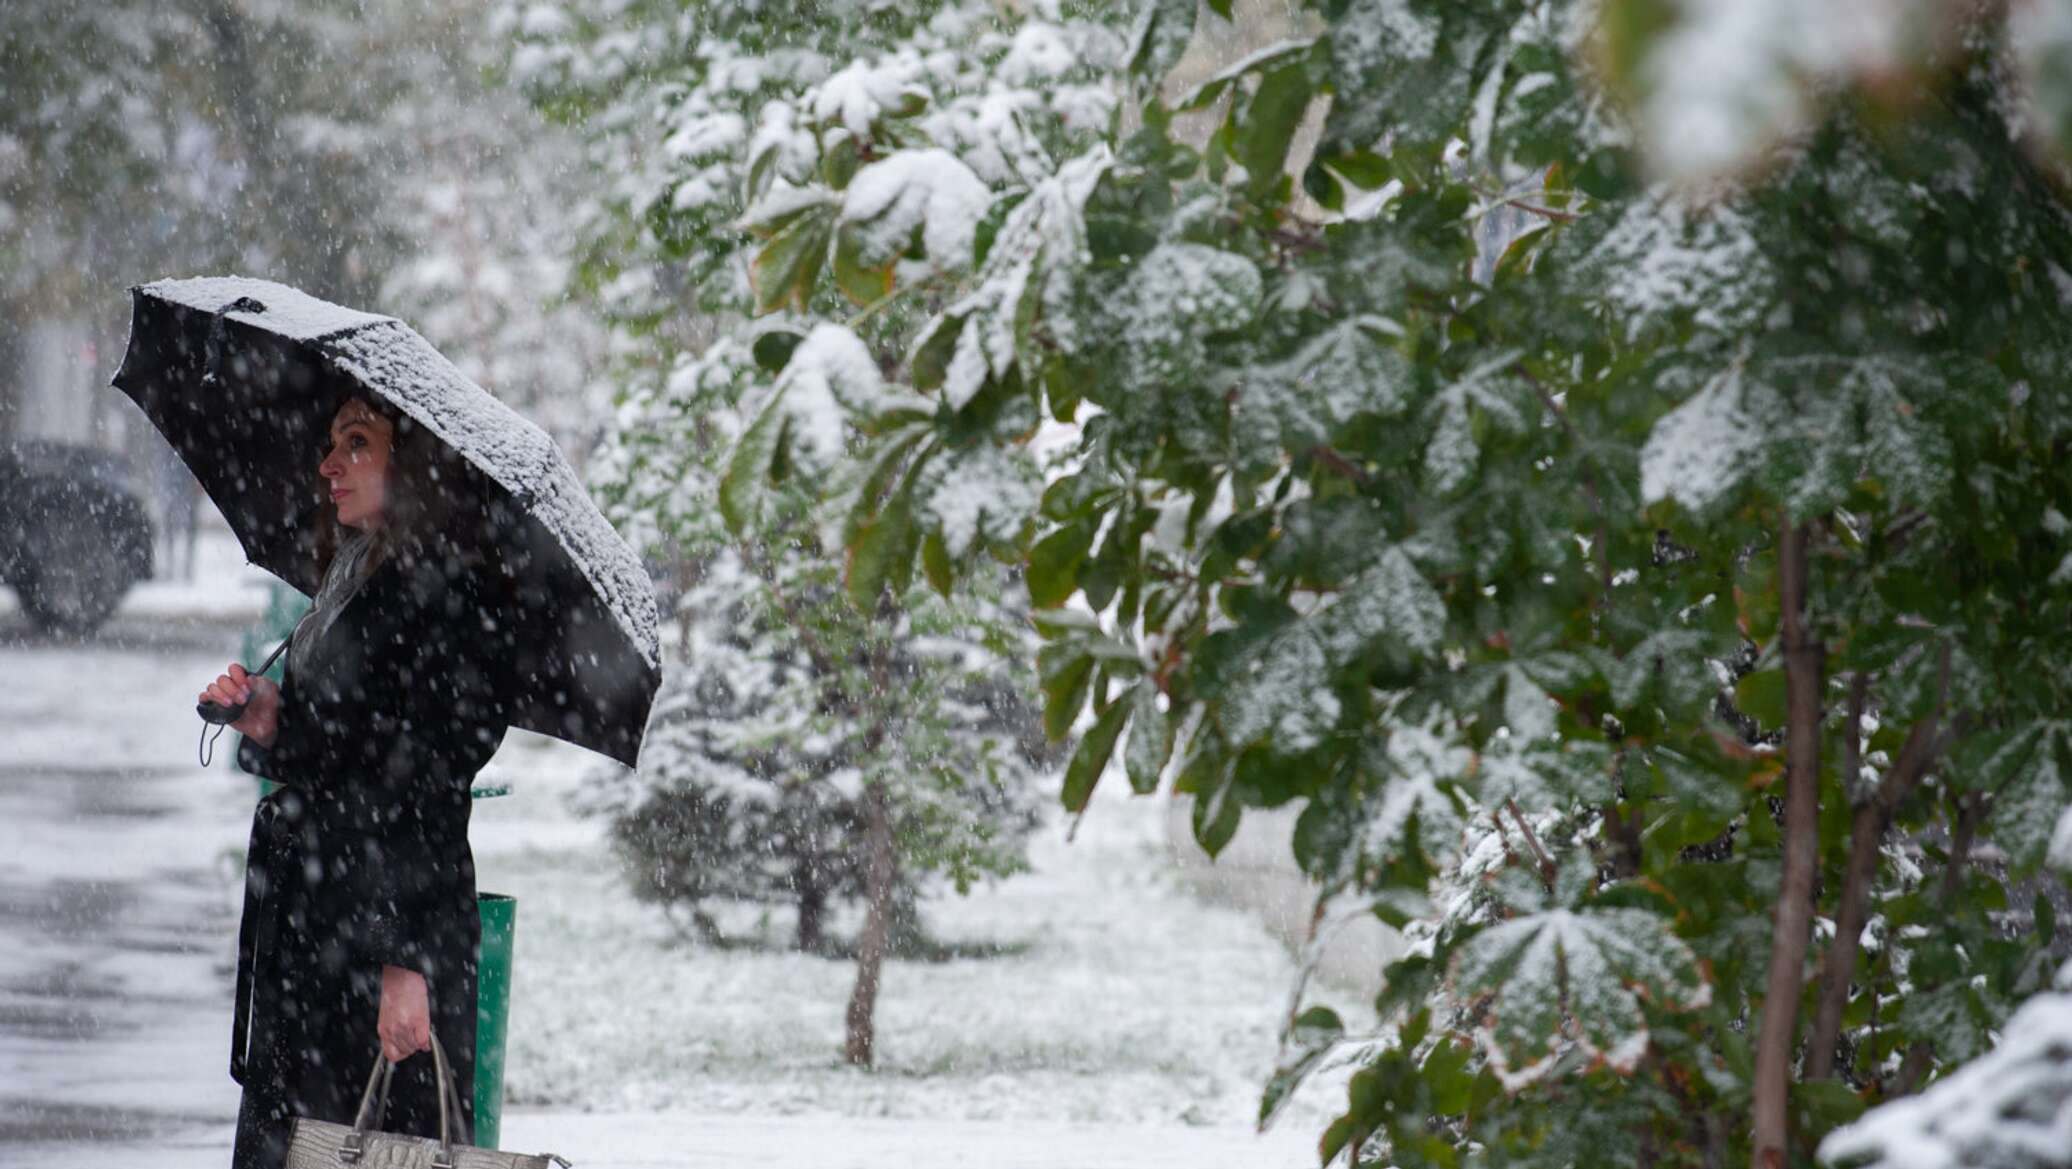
(243, 376)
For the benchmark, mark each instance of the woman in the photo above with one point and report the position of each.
(360, 919)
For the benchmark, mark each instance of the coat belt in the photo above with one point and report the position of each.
(260, 923)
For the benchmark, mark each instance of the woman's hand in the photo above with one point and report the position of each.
(262, 699)
(406, 1014)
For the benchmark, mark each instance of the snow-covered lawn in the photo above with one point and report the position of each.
(1118, 997)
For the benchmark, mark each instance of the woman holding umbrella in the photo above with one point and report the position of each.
(464, 583)
(364, 920)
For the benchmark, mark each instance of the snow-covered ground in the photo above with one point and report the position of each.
(1125, 1022)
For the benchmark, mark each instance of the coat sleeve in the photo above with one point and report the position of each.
(296, 753)
(432, 729)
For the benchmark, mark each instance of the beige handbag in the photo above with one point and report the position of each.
(320, 1144)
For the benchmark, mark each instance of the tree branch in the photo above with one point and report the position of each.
(1536, 209)
(1804, 658)
(1866, 836)
(1328, 455)
(1533, 842)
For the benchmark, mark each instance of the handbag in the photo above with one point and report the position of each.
(323, 1144)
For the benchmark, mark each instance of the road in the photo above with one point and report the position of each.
(118, 894)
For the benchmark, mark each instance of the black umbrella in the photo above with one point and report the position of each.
(243, 377)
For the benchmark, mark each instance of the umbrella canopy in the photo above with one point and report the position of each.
(243, 378)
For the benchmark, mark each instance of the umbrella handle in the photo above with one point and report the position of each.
(222, 715)
(219, 714)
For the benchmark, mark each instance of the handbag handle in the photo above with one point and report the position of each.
(448, 1091)
(373, 1110)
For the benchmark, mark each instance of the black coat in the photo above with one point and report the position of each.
(360, 859)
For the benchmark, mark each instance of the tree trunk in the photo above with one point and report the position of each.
(812, 913)
(13, 315)
(1803, 661)
(877, 926)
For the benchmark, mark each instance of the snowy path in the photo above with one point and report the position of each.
(1127, 1025)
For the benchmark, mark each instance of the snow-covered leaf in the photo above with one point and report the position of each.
(926, 192)
(2035, 794)
(1349, 370)
(1151, 738)
(865, 93)
(1275, 695)
(1390, 599)
(1561, 978)
(1700, 451)
(1544, 776)
(1491, 395)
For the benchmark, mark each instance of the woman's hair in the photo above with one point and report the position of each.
(431, 502)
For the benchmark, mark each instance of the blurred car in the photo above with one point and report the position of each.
(74, 532)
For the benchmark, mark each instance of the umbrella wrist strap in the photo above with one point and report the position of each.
(207, 748)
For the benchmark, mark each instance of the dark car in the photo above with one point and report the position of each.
(74, 533)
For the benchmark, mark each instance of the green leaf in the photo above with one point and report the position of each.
(929, 360)
(839, 160)
(784, 270)
(882, 553)
(1151, 738)
(1053, 572)
(1216, 817)
(1058, 624)
(1065, 686)
(1389, 601)
(859, 280)
(1580, 975)
(1163, 30)
(1447, 1075)
(935, 562)
(1821, 1106)
(1276, 694)
(742, 486)
(1269, 125)
(2026, 811)
(1698, 784)
(1760, 696)
(1310, 1038)
(1065, 666)
(773, 347)
(1220, 83)
(1091, 758)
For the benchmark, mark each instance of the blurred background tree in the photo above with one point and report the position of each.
(358, 150)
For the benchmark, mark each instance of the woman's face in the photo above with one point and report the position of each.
(356, 469)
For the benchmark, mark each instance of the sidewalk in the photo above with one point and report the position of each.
(689, 1141)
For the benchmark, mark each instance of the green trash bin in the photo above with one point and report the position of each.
(492, 1013)
(284, 607)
